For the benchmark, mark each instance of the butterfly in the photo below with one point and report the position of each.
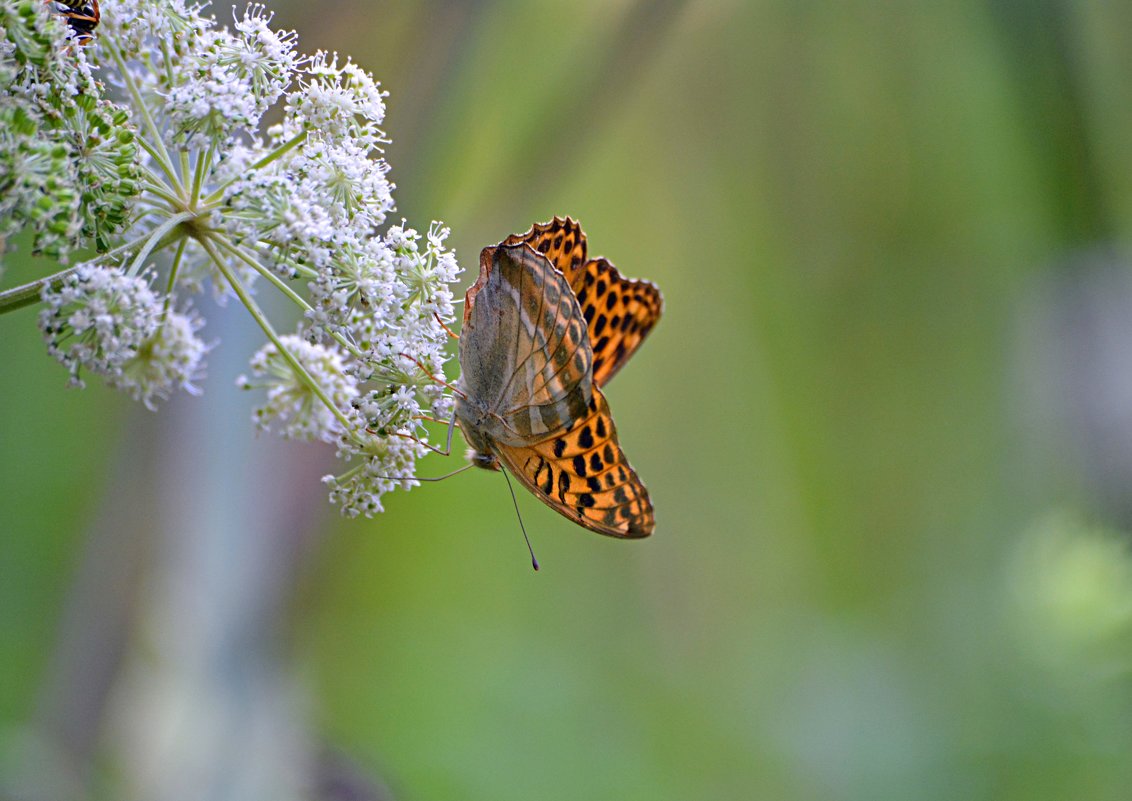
(544, 328)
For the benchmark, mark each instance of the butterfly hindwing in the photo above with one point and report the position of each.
(583, 474)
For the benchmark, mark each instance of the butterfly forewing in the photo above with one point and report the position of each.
(523, 350)
(583, 474)
(620, 312)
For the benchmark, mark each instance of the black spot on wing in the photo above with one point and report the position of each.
(547, 483)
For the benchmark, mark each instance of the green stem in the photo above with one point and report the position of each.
(156, 236)
(26, 294)
(176, 266)
(278, 152)
(152, 183)
(281, 285)
(353, 471)
(260, 318)
(157, 150)
(203, 164)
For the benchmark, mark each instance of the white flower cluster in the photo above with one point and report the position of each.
(171, 358)
(101, 320)
(234, 77)
(203, 194)
(293, 407)
(98, 319)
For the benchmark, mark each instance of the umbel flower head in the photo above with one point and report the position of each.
(142, 152)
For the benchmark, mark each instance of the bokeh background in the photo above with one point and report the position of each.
(886, 422)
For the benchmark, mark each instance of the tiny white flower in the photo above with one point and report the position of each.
(169, 359)
(293, 408)
(98, 319)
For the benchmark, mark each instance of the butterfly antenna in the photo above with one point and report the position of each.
(514, 500)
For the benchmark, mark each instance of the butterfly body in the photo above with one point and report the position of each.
(530, 401)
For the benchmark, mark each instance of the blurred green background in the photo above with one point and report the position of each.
(883, 421)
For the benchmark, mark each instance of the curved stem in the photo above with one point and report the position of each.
(26, 294)
(295, 297)
(204, 162)
(260, 318)
(278, 152)
(158, 150)
(155, 237)
(278, 282)
(173, 270)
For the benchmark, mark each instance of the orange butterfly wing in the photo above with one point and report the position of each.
(583, 474)
(620, 312)
(561, 241)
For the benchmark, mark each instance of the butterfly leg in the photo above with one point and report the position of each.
(440, 381)
(506, 425)
(445, 327)
(456, 472)
(448, 440)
